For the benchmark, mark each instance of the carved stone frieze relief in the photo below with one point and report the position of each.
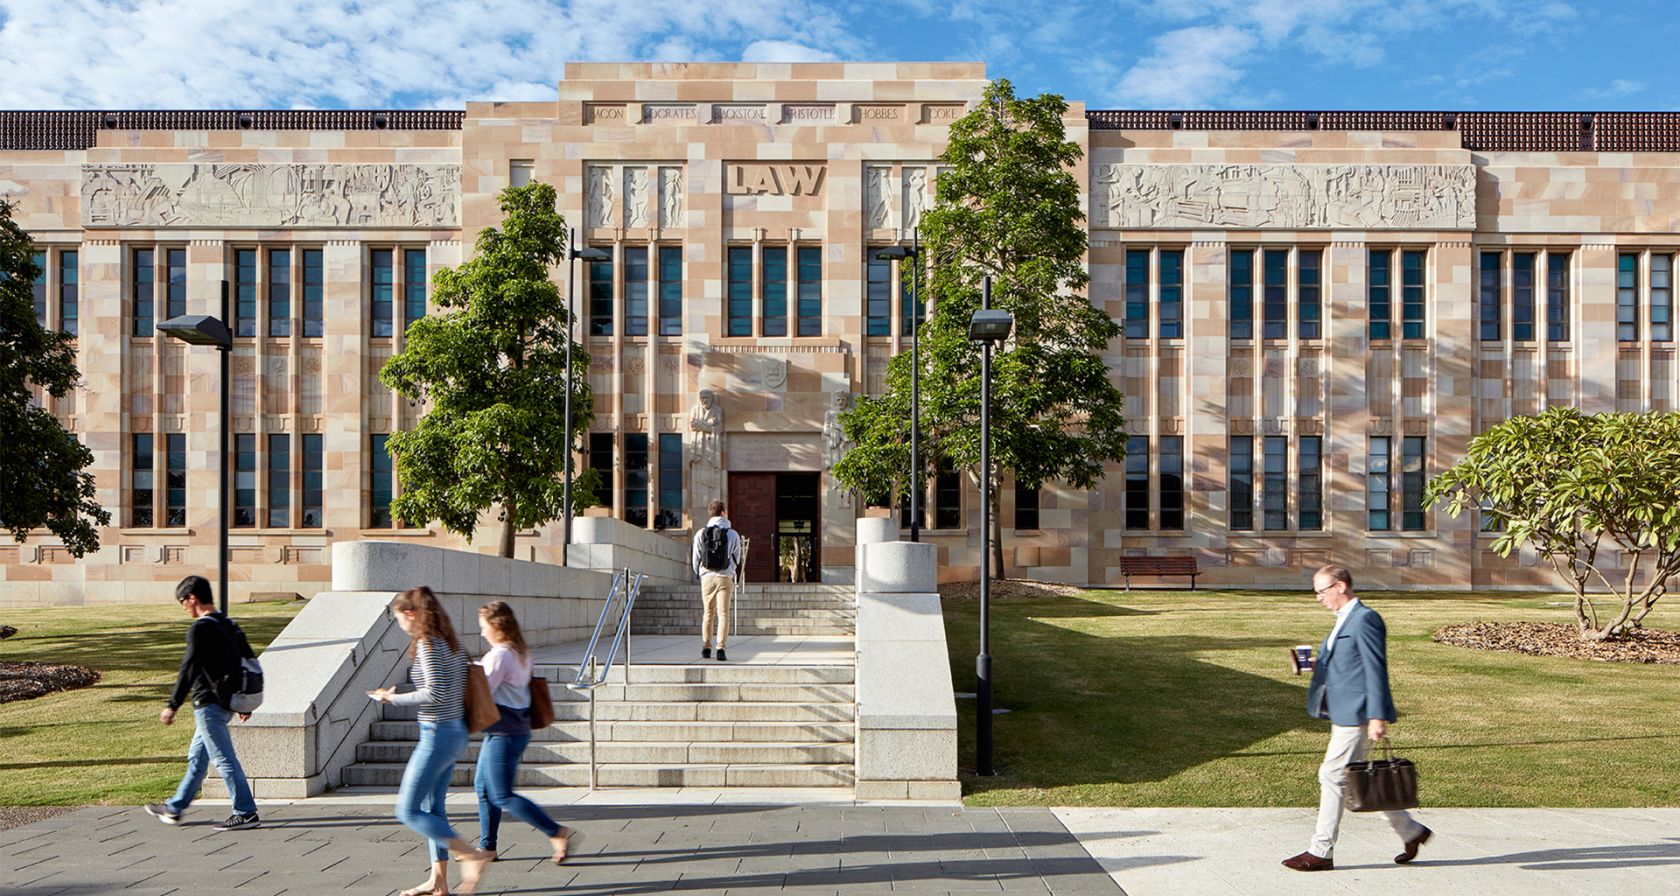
(916, 198)
(671, 198)
(186, 195)
(601, 195)
(877, 195)
(635, 197)
(1304, 197)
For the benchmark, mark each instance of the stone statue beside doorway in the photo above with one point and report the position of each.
(834, 441)
(705, 449)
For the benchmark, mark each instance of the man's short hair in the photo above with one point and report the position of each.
(1338, 573)
(195, 587)
(715, 508)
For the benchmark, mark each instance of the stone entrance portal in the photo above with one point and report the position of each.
(782, 514)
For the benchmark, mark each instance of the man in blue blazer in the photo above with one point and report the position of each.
(1350, 688)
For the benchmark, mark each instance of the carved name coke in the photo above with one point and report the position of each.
(775, 180)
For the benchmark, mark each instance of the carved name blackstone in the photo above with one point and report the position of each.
(1305, 197)
(271, 195)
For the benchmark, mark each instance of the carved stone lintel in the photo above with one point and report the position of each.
(133, 195)
(1381, 426)
(1297, 197)
(1242, 426)
(1416, 427)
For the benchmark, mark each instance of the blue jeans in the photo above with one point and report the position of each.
(425, 783)
(498, 762)
(211, 744)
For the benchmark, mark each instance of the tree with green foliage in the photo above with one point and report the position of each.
(43, 478)
(493, 369)
(1581, 489)
(1008, 208)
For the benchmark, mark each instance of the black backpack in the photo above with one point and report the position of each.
(714, 548)
(242, 690)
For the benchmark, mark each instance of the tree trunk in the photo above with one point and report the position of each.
(509, 529)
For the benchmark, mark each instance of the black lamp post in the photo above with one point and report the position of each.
(203, 329)
(902, 254)
(987, 327)
(573, 253)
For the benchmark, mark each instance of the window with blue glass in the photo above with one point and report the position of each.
(1274, 292)
(175, 303)
(878, 297)
(245, 286)
(312, 480)
(1274, 496)
(1310, 485)
(1171, 296)
(1411, 483)
(1662, 298)
(910, 311)
(1240, 293)
(383, 287)
(414, 286)
(141, 473)
(635, 290)
(69, 292)
(740, 297)
(175, 479)
(144, 294)
(1379, 300)
(279, 480)
(601, 298)
(244, 480)
(314, 284)
(1137, 294)
(381, 479)
(773, 297)
(1557, 297)
(636, 478)
(1490, 285)
(1309, 317)
(1627, 297)
(810, 291)
(1137, 482)
(1172, 482)
(1522, 297)
(1411, 294)
(1242, 482)
(1378, 493)
(670, 481)
(280, 292)
(670, 290)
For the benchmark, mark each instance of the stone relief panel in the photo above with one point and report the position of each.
(635, 197)
(271, 195)
(671, 198)
(877, 195)
(601, 196)
(916, 197)
(1366, 197)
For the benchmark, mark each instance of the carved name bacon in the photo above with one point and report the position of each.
(774, 180)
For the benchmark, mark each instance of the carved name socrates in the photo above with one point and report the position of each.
(271, 195)
(1296, 197)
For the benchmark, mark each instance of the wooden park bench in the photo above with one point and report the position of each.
(1159, 566)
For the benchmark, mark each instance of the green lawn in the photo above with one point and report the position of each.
(103, 744)
(1179, 698)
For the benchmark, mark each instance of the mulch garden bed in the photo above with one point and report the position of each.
(1556, 639)
(26, 681)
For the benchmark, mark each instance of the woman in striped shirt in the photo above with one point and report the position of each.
(440, 685)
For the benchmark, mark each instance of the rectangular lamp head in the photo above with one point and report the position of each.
(990, 325)
(198, 329)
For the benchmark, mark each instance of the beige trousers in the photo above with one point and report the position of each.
(716, 594)
(1347, 744)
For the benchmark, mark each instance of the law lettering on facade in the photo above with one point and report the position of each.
(775, 180)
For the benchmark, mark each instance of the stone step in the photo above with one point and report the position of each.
(714, 673)
(641, 731)
(757, 613)
(682, 711)
(389, 774)
(804, 631)
(649, 752)
(775, 588)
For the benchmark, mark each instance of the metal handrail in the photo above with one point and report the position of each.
(591, 672)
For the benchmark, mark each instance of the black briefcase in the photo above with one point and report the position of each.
(1381, 785)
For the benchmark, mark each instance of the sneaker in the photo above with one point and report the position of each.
(237, 822)
(162, 813)
(721, 655)
(705, 653)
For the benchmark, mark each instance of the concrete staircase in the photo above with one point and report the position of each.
(702, 725)
(762, 609)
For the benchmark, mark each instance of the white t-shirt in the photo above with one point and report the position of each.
(510, 677)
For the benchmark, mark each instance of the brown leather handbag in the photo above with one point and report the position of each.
(1381, 785)
(481, 711)
(542, 706)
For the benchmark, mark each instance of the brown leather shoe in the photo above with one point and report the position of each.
(1412, 847)
(1308, 862)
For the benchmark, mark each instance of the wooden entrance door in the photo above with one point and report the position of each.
(752, 511)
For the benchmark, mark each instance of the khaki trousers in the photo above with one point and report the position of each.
(1347, 744)
(717, 592)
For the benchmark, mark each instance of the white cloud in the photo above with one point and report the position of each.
(1188, 67)
(784, 51)
(1621, 87)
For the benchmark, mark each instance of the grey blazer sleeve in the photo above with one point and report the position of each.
(1372, 637)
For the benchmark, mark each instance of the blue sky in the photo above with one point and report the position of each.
(1185, 54)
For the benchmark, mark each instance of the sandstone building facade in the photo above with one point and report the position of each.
(1320, 310)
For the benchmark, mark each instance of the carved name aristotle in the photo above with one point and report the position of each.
(807, 113)
(775, 180)
(1365, 197)
(271, 195)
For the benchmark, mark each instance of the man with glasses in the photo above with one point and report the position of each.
(215, 648)
(1350, 688)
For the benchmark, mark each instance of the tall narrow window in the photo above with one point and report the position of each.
(670, 481)
(1627, 297)
(280, 292)
(1411, 294)
(279, 480)
(175, 303)
(1026, 507)
(1522, 297)
(1490, 286)
(1557, 297)
(384, 283)
(670, 290)
(601, 461)
(1274, 495)
(1172, 294)
(1241, 293)
(1172, 482)
(1379, 301)
(810, 291)
(1662, 298)
(1275, 294)
(740, 291)
(1310, 308)
(521, 171)
(175, 479)
(414, 286)
(947, 499)
(774, 292)
(1137, 482)
(312, 480)
(904, 510)
(144, 295)
(909, 309)
(245, 293)
(601, 297)
(1311, 484)
(244, 480)
(40, 286)
(69, 293)
(636, 478)
(140, 492)
(379, 486)
(635, 291)
(1137, 294)
(1411, 483)
(1377, 491)
(878, 297)
(1242, 482)
(314, 283)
